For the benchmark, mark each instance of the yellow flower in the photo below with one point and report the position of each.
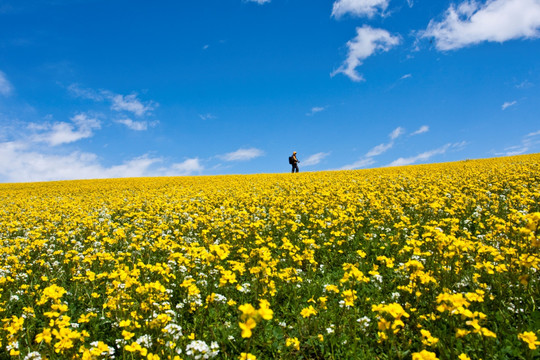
(332, 288)
(293, 342)
(135, 346)
(428, 339)
(127, 335)
(84, 318)
(246, 327)
(463, 357)
(247, 311)
(264, 310)
(100, 348)
(424, 355)
(307, 312)
(45, 335)
(530, 339)
(54, 292)
(349, 296)
(247, 356)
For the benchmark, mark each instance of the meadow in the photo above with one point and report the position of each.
(434, 261)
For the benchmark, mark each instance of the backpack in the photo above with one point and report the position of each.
(291, 160)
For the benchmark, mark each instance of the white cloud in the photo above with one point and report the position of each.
(188, 167)
(376, 151)
(410, 3)
(315, 159)
(19, 163)
(525, 84)
(427, 155)
(379, 149)
(260, 2)
(359, 8)
(406, 76)
(528, 143)
(397, 133)
(507, 104)
(207, 116)
(367, 159)
(362, 163)
(420, 157)
(366, 43)
(421, 130)
(5, 86)
(76, 91)
(137, 125)
(242, 155)
(496, 20)
(130, 103)
(81, 127)
(315, 110)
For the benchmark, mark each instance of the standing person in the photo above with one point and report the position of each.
(294, 162)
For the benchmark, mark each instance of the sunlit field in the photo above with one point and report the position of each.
(421, 262)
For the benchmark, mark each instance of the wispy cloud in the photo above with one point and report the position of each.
(207, 116)
(397, 133)
(260, 2)
(528, 143)
(137, 125)
(507, 104)
(367, 159)
(496, 20)
(406, 76)
(425, 156)
(421, 130)
(361, 163)
(5, 86)
(525, 84)
(242, 154)
(316, 109)
(315, 159)
(82, 126)
(129, 103)
(360, 8)
(367, 42)
(379, 149)
(85, 93)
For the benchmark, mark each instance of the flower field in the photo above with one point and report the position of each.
(422, 262)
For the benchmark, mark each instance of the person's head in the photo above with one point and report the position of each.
(294, 152)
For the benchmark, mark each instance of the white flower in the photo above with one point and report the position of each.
(364, 322)
(33, 356)
(200, 350)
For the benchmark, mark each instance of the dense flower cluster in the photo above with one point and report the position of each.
(421, 262)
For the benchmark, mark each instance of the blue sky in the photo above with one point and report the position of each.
(117, 88)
